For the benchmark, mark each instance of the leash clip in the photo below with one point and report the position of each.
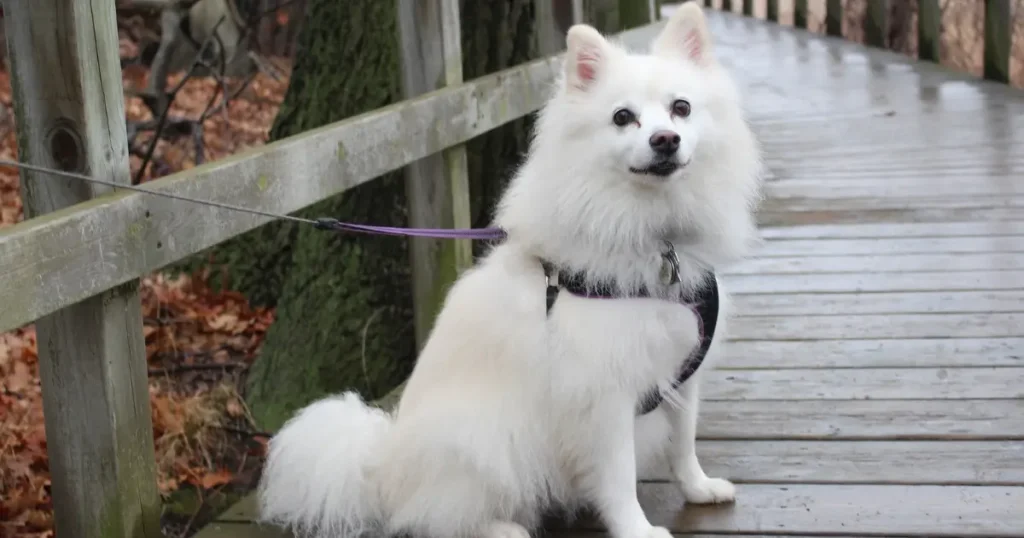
(325, 223)
(670, 268)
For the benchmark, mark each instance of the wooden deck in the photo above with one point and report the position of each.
(875, 383)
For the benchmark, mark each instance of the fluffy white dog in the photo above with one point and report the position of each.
(531, 393)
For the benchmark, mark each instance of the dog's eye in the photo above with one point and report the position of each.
(623, 117)
(681, 108)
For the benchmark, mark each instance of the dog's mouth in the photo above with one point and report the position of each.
(658, 169)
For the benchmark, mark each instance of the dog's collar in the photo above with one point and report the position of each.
(577, 283)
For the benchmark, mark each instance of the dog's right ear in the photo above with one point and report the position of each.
(686, 35)
(586, 55)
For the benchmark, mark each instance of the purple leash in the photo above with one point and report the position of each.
(439, 233)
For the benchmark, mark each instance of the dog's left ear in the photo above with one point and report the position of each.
(586, 56)
(686, 35)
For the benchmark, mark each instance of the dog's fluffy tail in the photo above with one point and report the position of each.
(316, 481)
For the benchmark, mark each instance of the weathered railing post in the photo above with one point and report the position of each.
(773, 10)
(876, 23)
(577, 12)
(998, 33)
(800, 14)
(550, 38)
(66, 79)
(929, 21)
(834, 18)
(748, 8)
(437, 186)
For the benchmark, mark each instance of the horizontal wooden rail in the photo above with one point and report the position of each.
(63, 257)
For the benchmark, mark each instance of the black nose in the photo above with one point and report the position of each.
(665, 142)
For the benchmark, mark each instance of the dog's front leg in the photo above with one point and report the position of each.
(697, 487)
(610, 478)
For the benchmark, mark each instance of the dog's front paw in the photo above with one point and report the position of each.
(709, 491)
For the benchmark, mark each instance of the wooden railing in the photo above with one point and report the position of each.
(998, 27)
(74, 265)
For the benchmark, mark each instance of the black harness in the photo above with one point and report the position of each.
(705, 300)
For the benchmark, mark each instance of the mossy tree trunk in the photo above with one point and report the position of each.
(343, 301)
(496, 35)
(344, 312)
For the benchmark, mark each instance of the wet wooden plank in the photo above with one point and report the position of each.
(859, 462)
(937, 205)
(865, 384)
(903, 246)
(931, 302)
(882, 213)
(891, 185)
(896, 263)
(856, 509)
(856, 327)
(902, 353)
(877, 282)
(895, 229)
(863, 419)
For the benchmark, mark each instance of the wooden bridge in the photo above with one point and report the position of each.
(875, 381)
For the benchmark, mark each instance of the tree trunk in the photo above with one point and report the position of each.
(344, 312)
(495, 35)
(343, 302)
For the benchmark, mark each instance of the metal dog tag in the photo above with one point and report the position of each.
(670, 272)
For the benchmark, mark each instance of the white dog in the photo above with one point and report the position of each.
(525, 398)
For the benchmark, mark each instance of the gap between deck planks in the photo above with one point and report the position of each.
(875, 264)
(857, 303)
(877, 326)
(890, 229)
(873, 353)
(965, 383)
(891, 245)
(875, 282)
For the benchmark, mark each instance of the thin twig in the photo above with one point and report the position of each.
(160, 125)
(246, 433)
(197, 367)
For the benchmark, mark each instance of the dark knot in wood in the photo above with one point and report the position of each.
(66, 147)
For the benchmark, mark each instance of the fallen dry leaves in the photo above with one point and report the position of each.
(198, 343)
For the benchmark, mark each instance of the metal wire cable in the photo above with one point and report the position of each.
(83, 177)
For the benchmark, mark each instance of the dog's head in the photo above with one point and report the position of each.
(650, 117)
(634, 147)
